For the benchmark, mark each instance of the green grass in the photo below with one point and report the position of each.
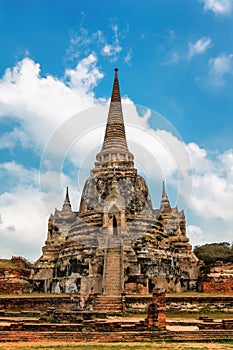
(181, 316)
(7, 264)
(92, 347)
(199, 294)
(216, 316)
(185, 294)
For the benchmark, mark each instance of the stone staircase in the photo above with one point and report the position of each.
(111, 305)
(113, 268)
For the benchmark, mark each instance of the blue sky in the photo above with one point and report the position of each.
(57, 59)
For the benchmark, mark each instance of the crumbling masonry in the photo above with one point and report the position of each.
(116, 241)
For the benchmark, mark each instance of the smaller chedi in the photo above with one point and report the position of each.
(116, 241)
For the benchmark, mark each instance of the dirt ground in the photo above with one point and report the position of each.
(115, 346)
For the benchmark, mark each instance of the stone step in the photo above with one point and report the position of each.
(110, 272)
(101, 303)
(99, 306)
(108, 298)
(112, 267)
(114, 245)
(113, 259)
(112, 275)
(42, 336)
(113, 287)
(112, 292)
(113, 254)
(109, 304)
(103, 306)
(108, 310)
(113, 263)
(113, 283)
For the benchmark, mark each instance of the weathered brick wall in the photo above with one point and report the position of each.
(225, 286)
(13, 280)
(35, 303)
(133, 303)
(10, 287)
(179, 304)
(21, 262)
(69, 337)
(218, 278)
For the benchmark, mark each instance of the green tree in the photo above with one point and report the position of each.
(212, 252)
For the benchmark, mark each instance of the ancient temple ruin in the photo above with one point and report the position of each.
(116, 241)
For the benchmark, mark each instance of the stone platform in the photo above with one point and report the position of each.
(66, 334)
(36, 324)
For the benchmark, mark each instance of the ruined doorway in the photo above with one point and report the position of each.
(78, 285)
(151, 286)
(114, 223)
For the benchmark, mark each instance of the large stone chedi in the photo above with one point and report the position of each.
(116, 241)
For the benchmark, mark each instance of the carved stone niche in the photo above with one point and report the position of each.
(114, 211)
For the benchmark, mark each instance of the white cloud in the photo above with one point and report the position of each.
(219, 7)
(111, 50)
(199, 158)
(89, 42)
(195, 234)
(219, 68)
(174, 57)
(40, 104)
(212, 195)
(128, 57)
(18, 173)
(23, 227)
(22, 216)
(16, 136)
(85, 76)
(211, 181)
(199, 47)
(24, 210)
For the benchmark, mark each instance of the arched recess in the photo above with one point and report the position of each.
(114, 224)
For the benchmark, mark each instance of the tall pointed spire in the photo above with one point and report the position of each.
(66, 205)
(115, 129)
(115, 147)
(164, 193)
(116, 96)
(165, 204)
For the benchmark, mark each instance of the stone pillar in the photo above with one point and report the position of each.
(161, 301)
(156, 318)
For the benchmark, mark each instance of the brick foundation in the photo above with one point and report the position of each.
(42, 337)
(219, 286)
